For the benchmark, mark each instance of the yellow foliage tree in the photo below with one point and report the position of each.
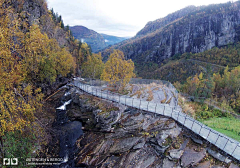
(93, 67)
(192, 84)
(43, 57)
(200, 76)
(83, 53)
(117, 70)
(18, 104)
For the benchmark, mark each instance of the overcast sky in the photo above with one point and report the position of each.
(118, 17)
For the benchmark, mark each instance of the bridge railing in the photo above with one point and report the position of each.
(223, 142)
(97, 82)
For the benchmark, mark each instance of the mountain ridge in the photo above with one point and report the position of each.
(91, 37)
(97, 41)
(202, 29)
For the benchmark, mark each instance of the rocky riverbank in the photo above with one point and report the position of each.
(118, 136)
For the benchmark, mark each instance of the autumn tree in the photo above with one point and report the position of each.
(15, 110)
(43, 58)
(191, 85)
(19, 100)
(93, 67)
(81, 57)
(227, 86)
(117, 70)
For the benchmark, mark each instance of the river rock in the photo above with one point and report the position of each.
(204, 165)
(167, 163)
(218, 156)
(191, 157)
(233, 166)
(175, 153)
(217, 166)
(140, 144)
(124, 145)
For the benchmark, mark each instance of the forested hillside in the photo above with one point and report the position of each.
(181, 66)
(36, 52)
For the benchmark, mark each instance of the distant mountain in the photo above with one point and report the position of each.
(111, 40)
(95, 40)
(92, 38)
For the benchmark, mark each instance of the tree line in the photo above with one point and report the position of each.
(117, 70)
(223, 87)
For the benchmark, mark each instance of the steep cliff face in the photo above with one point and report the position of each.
(195, 36)
(35, 10)
(196, 31)
(159, 23)
(92, 38)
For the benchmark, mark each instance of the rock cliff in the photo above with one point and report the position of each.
(188, 30)
(159, 23)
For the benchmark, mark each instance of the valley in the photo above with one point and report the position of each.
(71, 96)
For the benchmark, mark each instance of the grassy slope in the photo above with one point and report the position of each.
(228, 126)
(216, 119)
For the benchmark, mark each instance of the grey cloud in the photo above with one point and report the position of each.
(84, 13)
